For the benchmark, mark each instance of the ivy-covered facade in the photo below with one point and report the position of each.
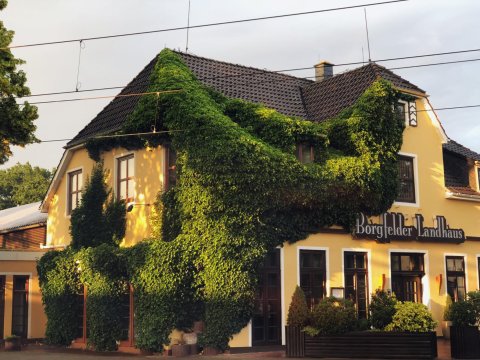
(227, 186)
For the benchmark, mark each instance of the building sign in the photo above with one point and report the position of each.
(392, 227)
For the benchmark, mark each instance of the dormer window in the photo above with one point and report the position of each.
(407, 110)
(305, 153)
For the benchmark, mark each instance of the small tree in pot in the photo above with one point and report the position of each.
(464, 334)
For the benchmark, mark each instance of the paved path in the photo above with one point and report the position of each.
(45, 354)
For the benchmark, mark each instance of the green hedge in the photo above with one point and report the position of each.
(240, 192)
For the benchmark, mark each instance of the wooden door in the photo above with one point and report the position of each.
(407, 288)
(20, 306)
(267, 318)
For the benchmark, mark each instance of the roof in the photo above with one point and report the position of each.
(21, 216)
(461, 150)
(325, 99)
(287, 94)
(275, 90)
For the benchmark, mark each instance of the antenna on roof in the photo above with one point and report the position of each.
(188, 25)
(368, 39)
(363, 57)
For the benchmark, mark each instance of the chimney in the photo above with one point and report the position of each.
(323, 70)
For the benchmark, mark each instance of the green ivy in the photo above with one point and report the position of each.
(240, 192)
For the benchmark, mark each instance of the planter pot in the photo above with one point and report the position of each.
(209, 351)
(180, 350)
(193, 349)
(13, 345)
(295, 341)
(446, 329)
(363, 344)
(465, 342)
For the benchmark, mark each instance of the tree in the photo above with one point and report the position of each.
(100, 218)
(16, 120)
(23, 184)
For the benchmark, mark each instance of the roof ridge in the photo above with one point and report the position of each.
(243, 66)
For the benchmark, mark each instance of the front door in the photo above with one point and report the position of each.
(20, 306)
(267, 317)
(2, 305)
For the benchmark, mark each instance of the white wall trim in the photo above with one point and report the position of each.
(7, 255)
(369, 266)
(432, 115)
(327, 264)
(465, 257)
(425, 279)
(416, 181)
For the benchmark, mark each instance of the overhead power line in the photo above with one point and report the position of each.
(108, 97)
(203, 79)
(203, 25)
(170, 131)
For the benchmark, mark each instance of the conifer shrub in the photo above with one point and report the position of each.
(298, 312)
(382, 309)
(411, 317)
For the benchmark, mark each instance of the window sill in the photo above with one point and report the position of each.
(399, 203)
(459, 196)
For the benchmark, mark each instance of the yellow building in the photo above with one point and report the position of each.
(426, 246)
(22, 239)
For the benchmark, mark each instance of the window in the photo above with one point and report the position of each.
(406, 188)
(456, 277)
(305, 153)
(313, 275)
(407, 111)
(356, 283)
(75, 183)
(170, 167)
(125, 178)
(407, 273)
(478, 178)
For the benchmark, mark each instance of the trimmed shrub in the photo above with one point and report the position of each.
(462, 313)
(298, 312)
(382, 309)
(411, 317)
(448, 307)
(332, 316)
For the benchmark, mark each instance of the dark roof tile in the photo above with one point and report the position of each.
(458, 149)
(287, 94)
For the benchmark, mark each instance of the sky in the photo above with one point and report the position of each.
(400, 29)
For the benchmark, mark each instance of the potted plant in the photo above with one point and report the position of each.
(297, 318)
(13, 343)
(464, 334)
(447, 321)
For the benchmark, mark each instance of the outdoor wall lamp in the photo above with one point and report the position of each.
(130, 205)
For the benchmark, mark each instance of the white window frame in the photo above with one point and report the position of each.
(369, 268)
(327, 264)
(425, 279)
(115, 173)
(415, 181)
(465, 257)
(67, 187)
